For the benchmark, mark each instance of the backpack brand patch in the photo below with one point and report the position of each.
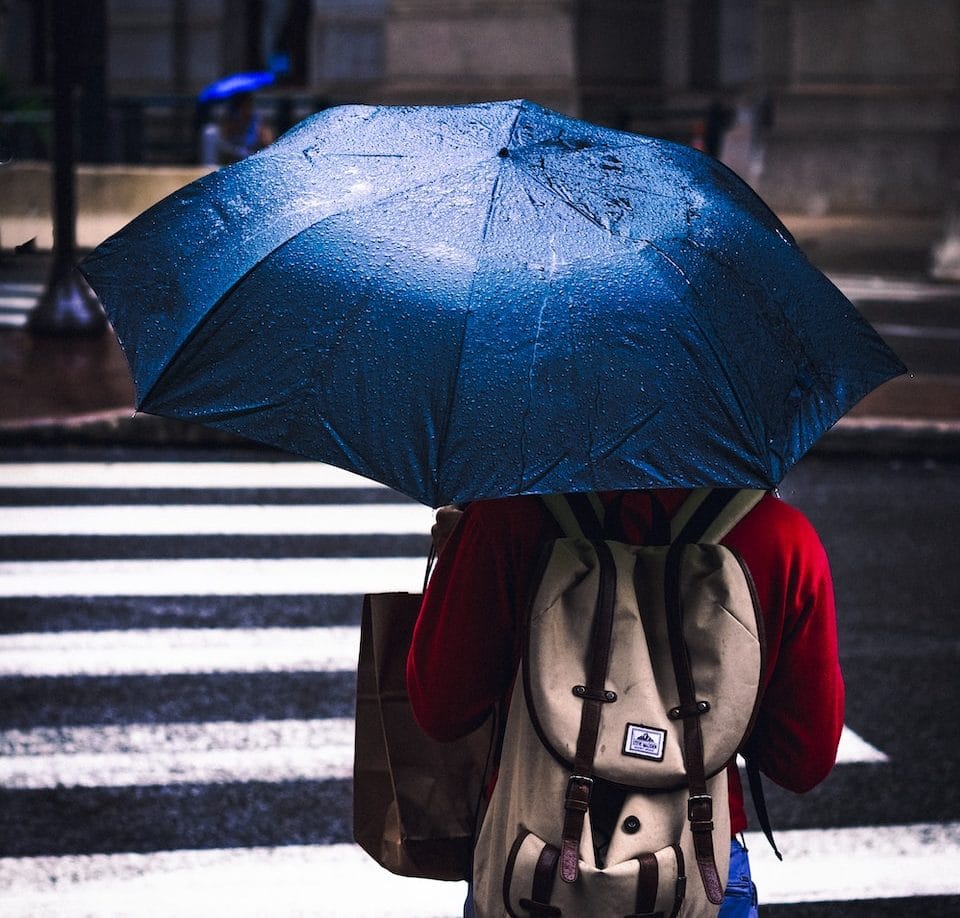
(644, 742)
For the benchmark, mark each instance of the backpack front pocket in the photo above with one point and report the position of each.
(649, 885)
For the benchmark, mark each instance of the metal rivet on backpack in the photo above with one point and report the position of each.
(631, 825)
(579, 690)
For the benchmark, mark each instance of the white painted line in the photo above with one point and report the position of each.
(161, 754)
(901, 425)
(17, 320)
(217, 519)
(179, 475)
(20, 287)
(308, 881)
(14, 303)
(149, 738)
(179, 650)
(875, 287)
(931, 332)
(212, 577)
(872, 862)
(854, 749)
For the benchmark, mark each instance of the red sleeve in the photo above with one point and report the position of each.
(801, 714)
(465, 644)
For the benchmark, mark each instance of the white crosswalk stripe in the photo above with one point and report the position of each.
(842, 865)
(196, 475)
(822, 865)
(179, 650)
(890, 289)
(16, 301)
(130, 754)
(310, 881)
(211, 577)
(201, 519)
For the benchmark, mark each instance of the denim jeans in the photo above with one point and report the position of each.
(739, 900)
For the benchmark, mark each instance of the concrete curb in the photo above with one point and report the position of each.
(117, 427)
(890, 437)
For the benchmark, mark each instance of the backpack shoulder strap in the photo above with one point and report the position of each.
(708, 514)
(579, 516)
(706, 517)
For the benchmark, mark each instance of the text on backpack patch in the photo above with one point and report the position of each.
(644, 742)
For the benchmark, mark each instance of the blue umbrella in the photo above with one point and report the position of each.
(235, 84)
(494, 299)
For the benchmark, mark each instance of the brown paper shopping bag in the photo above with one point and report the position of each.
(415, 800)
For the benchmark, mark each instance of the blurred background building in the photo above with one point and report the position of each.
(824, 107)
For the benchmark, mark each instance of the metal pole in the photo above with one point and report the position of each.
(67, 306)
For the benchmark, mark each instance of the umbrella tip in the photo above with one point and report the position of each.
(503, 152)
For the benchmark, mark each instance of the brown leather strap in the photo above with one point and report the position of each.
(700, 804)
(681, 888)
(580, 785)
(701, 520)
(648, 881)
(590, 524)
(760, 800)
(538, 905)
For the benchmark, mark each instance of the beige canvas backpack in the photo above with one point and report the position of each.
(638, 683)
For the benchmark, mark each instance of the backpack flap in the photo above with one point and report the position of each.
(640, 741)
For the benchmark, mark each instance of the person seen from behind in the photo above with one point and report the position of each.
(466, 647)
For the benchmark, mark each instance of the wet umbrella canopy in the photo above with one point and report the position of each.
(487, 300)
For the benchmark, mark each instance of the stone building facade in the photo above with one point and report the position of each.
(827, 107)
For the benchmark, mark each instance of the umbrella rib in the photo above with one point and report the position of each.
(528, 409)
(608, 449)
(571, 204)
(567, 201)
(747, 281)
(494, 192)
(561, 169)
(335, 155)
(583, 211)
(718, 357)
(442, 446)
(799, 343)
(375, 202)
(399, 193)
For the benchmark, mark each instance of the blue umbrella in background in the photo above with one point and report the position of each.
(235, 84)
(494, 299)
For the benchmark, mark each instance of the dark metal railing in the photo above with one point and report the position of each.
(156, 129)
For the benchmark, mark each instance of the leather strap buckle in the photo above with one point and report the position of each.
(700, 812)
(579, 791)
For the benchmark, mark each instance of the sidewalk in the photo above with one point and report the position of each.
(60, 391)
